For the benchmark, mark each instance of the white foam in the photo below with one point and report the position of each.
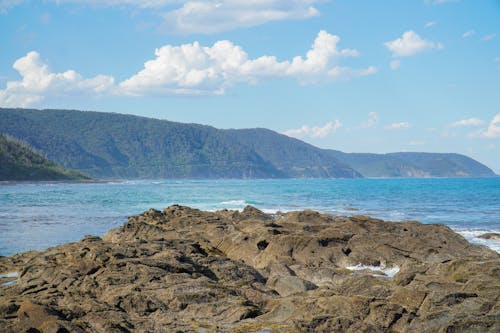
(388, 272)
(275, 211)
(9, 275)
(472, 235)
(8, 283)
(234, 203)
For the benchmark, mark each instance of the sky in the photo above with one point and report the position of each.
(353, 75)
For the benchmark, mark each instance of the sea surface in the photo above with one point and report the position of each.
(35, 216)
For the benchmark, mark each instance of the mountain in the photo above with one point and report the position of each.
(293, 157)
(110, 145)
(20, 162)
(413, 165)
(297, 158)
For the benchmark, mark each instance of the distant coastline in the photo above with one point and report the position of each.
(117, 146)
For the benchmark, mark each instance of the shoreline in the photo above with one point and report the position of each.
(472, 235)
(181, 269)
(44, 182)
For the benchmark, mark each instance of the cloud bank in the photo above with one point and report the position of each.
(189, 69)
(208, 16)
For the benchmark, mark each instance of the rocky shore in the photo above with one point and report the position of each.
(185, 270)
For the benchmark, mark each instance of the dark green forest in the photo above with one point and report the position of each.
(20, 162)
(111, 145)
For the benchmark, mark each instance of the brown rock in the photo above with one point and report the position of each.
(491, 235)
(184, 270)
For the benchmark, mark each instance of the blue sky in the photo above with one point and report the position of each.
(358, 76)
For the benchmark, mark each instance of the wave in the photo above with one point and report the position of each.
(472, 235)
(377, 271)
(234, 203)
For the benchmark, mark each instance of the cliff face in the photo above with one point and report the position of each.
(184, 270)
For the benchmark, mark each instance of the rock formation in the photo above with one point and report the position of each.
(185, 270)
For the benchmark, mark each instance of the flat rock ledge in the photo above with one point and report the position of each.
(185, 270)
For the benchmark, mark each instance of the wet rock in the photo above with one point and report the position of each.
(186, 270)
(491, 235)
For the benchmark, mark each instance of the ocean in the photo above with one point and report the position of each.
(35, 216)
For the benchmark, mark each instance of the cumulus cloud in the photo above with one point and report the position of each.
(467, 122)
(38, 81)
(187, 69)
(398, 126)
(493, 130)
(208, 16)
(315, 131)
(409, 44)
(195, 69)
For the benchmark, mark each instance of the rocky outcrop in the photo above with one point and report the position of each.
(491, 235)
(184, 270)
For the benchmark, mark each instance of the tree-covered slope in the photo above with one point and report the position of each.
(293, 157)
(111, 145)
(414, 165)
(19, 162)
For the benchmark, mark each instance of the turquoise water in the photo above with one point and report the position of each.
(40, 215)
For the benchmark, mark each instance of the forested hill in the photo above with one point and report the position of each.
(110, 145)
(19, 162)
(414, 165)
(291, 156)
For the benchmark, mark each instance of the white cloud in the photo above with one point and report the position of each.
(467, 122)
(468, 33)
(489, 37)
(398, 126)
(187, 69)
(192, 68)
(410, 44)
(372, 120)
(493, 130)
(314, 132)
(222, 15)
(416, 143)
(38, 81)
(430, 24)
(208, 16)
(395, 64)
